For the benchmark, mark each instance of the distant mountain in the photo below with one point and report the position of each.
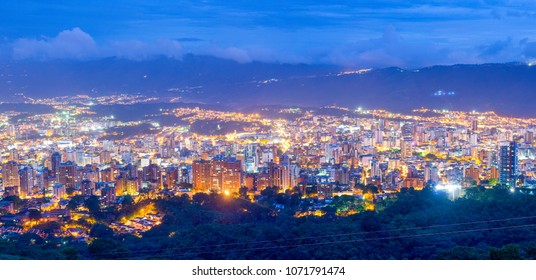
(505, 88)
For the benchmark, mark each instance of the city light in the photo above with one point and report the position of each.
(449, 187)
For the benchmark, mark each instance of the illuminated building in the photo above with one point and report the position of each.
(473, 173)
(105, 157)
(201, 175)
(508, 168)
(219, 175)
(59, 191)
(106, 175)
(68, 174)
(10, 175)
(126, 186)
(406, 149)
(27, 177)
(493, 173)
(108, 194)
(87, 187)
(151, 173)
(251, 158)
(431, 173)
(172, 176)
(55, 160)
(529, 137)
(474, 125)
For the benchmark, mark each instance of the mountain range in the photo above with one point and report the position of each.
(506, 88)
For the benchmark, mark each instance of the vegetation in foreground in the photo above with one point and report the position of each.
(484, 224)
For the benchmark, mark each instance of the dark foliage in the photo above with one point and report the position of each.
(484, 224)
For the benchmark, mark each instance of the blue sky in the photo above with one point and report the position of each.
(347, 33)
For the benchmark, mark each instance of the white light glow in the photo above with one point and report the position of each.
(449, 187)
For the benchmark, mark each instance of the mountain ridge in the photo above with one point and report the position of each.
(501, 87)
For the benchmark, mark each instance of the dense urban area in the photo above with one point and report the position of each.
(131, 177)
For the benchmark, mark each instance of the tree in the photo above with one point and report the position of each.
(461, 253)
(69, 191)
(243, 192)
(34, 214)
(93, 204)
(70, 253)
(508, 252)
(269, 192)
(127, 201)
(75, 202)
(107, 249)
(346, 203)
(201, 198)
(101, 231)
(17, 201)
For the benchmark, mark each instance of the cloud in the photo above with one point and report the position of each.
(529, 50)
(234, 53)
(77, 44)
(391, 49)
(495, 48)
(140, 50)
(73, 43)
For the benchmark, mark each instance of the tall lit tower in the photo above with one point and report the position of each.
(508, 167)
(55, 160)
(10, 174)
(27, 181)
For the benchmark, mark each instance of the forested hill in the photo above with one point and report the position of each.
(485, 224)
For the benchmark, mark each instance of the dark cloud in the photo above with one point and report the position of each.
(495, 48)
(529, 50)
(391, 49)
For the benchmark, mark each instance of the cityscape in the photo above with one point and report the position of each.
(307, 133)
(71, 174)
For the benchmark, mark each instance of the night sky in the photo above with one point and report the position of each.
(348, 33)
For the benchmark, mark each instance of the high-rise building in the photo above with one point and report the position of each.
(219, 175)
(172, 176)
(68, 174)
(27, 181)
(231, 177)
(55, 160)
(87, 187)
(10, 175)
(508, 168)
(406, 148)
(474, 125)
(251, 157)
(105, 156)
(59, 191)
(126, 186)
(152, 174)
(529, 137)
(201, 175)
(106, 175)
